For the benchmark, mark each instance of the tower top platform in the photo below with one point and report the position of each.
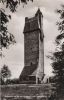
(32, 23)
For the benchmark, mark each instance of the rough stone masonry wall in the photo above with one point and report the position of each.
(28, 92)
(31, 47)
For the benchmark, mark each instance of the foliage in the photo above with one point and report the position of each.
(5, 73)
(58, 66)
(13, 4)
(6, 38)
(12, 81)
(58, 56)
(60, 24)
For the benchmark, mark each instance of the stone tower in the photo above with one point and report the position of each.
(33, 70)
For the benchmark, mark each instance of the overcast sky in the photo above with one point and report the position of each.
(14, 56)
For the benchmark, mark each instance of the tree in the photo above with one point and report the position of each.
(60, 24)
(58, 56)
(7, 38)
(13, 4)
(5, 73)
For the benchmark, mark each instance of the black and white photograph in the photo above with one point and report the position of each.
(31, 49)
